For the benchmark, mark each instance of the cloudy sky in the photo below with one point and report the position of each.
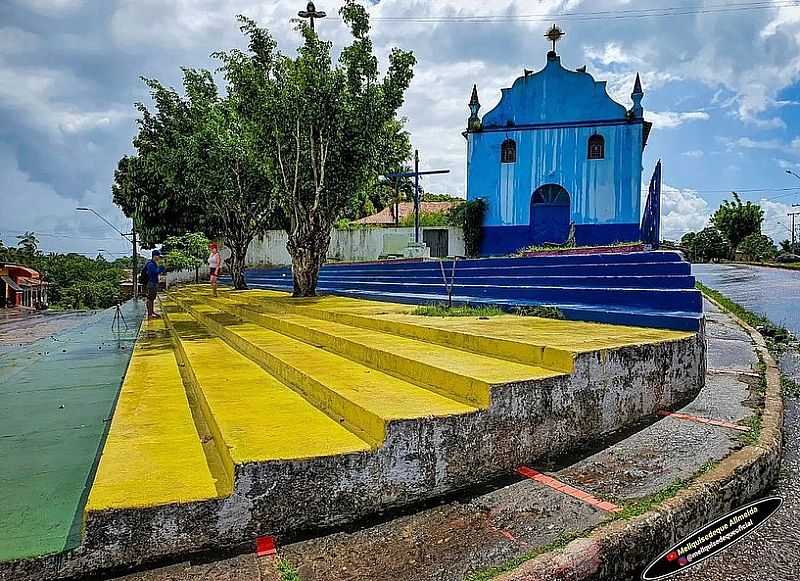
(721, 82)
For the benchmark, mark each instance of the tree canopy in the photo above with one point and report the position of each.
(736, 220)
(294, 142)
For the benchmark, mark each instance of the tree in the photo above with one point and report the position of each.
(28, 244)
(186, 252)
(736, 221)
(708, 244)
(198, 164)
(328, 125)
(757, 248)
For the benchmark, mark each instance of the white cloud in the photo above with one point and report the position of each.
(30, 205)
(682, 211)
(671, 119)
(694, 153)
(776, 222)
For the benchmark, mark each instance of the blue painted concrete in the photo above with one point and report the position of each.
(643, 288)
(502, 240)
(550, 116)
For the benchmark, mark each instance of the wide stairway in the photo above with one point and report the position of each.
(256, 404)
(653, 289)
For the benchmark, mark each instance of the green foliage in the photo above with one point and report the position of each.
(199, 164)
(287, 571)
(474, 213)
(790, 387)
(426, 197)
(757, 248)
(189, 251)
(561, 541)
(539, 311)
(736, 220)
(428, 219)
(708, 244)
(325, 130)
(75, 281)
(436, 310)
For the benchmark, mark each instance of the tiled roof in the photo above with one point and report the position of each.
(386, 216)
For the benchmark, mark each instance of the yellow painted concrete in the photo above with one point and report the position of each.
(467, 377)
(267, 378)
(547, 342)
(257, 417)
(153, 455)
(359, 397)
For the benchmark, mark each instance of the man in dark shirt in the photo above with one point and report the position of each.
(152, 269)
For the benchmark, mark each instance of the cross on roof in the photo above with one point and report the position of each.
(554, 35)
(311, 13)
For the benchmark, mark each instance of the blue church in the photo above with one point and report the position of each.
(557, 159)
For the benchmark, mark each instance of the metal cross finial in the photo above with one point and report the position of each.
(311, 13)
(554, 35)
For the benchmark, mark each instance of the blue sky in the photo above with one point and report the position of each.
(722, 88)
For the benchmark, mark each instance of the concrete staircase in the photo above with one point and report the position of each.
(653, 289)
(271, 415)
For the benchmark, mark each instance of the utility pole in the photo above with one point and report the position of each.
(793, 214)
(415, 174)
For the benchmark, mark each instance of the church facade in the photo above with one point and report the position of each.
(557, 159)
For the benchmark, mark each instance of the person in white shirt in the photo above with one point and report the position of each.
(214, 265)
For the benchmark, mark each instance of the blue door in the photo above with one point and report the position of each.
(549, 215)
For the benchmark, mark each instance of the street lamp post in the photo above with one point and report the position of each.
(132, 239)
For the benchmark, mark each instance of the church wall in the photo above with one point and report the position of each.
(604, 194)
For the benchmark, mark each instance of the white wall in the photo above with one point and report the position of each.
(358, 245)
(179, 276)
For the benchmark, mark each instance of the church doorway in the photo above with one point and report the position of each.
(549, 215)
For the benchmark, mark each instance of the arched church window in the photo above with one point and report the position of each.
(597, 147)
(508, 151)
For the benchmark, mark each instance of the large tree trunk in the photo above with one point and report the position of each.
(238, 255)
(308, 246)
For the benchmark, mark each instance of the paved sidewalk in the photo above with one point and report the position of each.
(772, 553)
(545, 505)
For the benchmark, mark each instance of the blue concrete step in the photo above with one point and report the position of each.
(609, 258)
(473, 269)
(651, 282)
(666, 299)
(653, 289)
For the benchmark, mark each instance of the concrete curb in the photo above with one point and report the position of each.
(618, 549)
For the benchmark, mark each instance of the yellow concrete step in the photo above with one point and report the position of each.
(553, 344)
(254, 417)
(153, 455)
(467, 377)
(473, 334)
(361, 398)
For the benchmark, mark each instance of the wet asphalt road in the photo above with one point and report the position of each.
(772, 553)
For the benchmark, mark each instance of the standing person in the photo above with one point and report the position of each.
(152, 269)
(214, 265)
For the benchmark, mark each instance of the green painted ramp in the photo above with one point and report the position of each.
(56, 397)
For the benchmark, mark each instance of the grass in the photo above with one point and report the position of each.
(551, 248)
(560, 541)
(287, 571)
(459, 311)
(542, 312)
(750, 437)
(438, 310)
(790, 386)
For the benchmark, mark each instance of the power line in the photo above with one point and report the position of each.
(597, 15)
(53, 234)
